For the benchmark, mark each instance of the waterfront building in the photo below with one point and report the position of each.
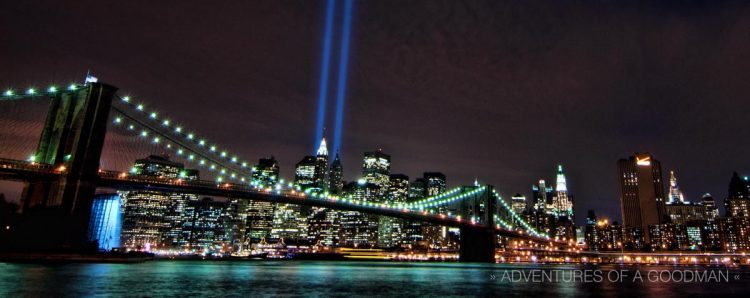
(259, 214)
(358, 229)
(289, 223)
(204, 225)
(413, 229)
(591, 236)
(391, 230)
(734, 233)
(153, 219)
(641, 192)
(324, 227)
(435, 236)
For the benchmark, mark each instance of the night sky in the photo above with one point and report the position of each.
(498, 90)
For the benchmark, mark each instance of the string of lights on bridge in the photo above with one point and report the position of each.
(204, 159)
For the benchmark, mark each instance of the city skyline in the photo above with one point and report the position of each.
(374, 148)
(499, 144)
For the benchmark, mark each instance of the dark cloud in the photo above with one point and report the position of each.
(499, 90)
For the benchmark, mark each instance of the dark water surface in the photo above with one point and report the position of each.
(340, 278)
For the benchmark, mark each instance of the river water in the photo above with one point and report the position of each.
(344, 278)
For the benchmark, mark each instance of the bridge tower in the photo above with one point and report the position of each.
(72, 140)
(478, 243)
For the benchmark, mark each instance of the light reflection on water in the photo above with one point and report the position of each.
(325, 278)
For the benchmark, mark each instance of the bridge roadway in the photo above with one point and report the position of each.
(28, 171)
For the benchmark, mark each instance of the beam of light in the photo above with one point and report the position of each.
(343, 63)
(322, 96)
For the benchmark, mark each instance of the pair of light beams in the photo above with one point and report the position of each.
(342, 72)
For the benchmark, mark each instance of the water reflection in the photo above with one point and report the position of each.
(221, 278)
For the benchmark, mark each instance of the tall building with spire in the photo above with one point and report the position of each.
(675, 195)
(321, 165)
(336, 176)
(562, 203)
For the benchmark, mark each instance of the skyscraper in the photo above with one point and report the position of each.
(376, 168)
(641, 192)
(266, 172)
(709, 205)
(259, 219)
(518, 203)
(675, 195)
(738, 202)
(562, 203)
(358, 229)
(321, 166)
(541, 195)
(542, 199)
(204, 226)
(336, 176)
(153, 218)
(436, 183)
(305, 172)
(391, 230)
(678, 209)
(434, 235)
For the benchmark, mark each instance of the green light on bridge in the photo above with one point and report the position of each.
(8, 92)
(31, 91)
(52, 89)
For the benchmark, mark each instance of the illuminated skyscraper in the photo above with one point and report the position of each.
(709, 205)
(641, 192)
(305, 172)
(336, 176)
(518, 203)
(542, 195)
(391, 230)
(204, 226)
(151, 218)
(358, 229)
(541, 212)
(562, 202)
(260, 214)
(324, 227)
(678, 209)
(738, 202)
(289, 223)
(266, 172)
(321, 166)
(376, 168)
(412, 228)
(675, 195)
(435, 236)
